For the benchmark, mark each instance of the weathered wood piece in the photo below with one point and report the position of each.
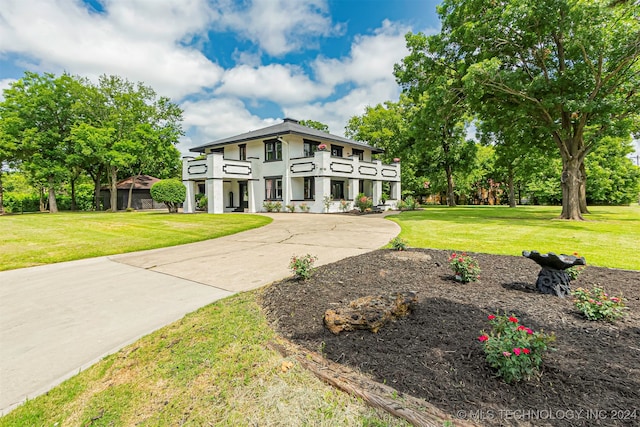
(370, 312)
(416, 411)
(553, 279)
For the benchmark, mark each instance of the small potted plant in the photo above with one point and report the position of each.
(322, 147)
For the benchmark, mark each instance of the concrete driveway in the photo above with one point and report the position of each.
(59, 319)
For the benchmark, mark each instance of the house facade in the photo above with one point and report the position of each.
(291, 164)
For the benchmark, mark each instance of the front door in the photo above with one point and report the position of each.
(244, 195)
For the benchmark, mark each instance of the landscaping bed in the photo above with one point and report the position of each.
(593, 377)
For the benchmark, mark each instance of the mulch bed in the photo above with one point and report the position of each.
(592, 379)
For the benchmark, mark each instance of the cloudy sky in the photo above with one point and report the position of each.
(233, 66)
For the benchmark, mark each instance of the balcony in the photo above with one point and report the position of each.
(215, 166)
(323, 164)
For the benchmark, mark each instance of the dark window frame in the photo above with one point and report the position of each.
(309, 147)
(276, 190)
(356, 152)
(337, 184)
(337, 150)
(309, 188)
(242, 151)
(272, 147)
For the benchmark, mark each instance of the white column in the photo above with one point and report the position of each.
(190, 201)
(377, 192)
(354, 187)
(215, 196)
(323, 189)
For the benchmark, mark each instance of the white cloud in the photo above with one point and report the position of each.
(285, 84)
(336, 114)
(63, 35)
(4, 84)
(279, 26)
(212, 119)
(370, 59)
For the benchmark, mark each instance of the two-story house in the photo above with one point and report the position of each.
(288, 163)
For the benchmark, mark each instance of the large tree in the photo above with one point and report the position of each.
(431, 76)
(127, 128)
(41, 110)
(571, 66)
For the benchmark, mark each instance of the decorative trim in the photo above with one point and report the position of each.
(197, 167)
(293, 168)
(229, 169)
(390, 173)
(338, 169)
(364, 170)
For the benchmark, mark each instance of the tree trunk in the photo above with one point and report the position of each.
(571, 178)
(133, 184)
(512, 190)
(53, 205)
(451, 197)
(97, 178)
(74, 205)
(113, 182)
(583, 189)
(42, 204)
(1, 194)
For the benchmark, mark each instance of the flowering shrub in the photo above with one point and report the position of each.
(513, 349)
(363, 202)
(408, 204)
(345, 205)
(291, 207)
(304, 207)
(575, 271)
(465, 268)
(302, 267)
(597, 304)
(322, 147)
(398, 244)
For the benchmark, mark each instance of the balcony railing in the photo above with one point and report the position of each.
(215, 166)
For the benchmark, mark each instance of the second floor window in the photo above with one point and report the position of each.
(358, 153)
(310, 147)
(272, 150)
(336, 150)
(243, 151)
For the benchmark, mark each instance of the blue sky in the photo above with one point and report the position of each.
(233, 66)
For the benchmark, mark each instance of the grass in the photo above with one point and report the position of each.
(210, 368)
(610, 236)
(35, 239)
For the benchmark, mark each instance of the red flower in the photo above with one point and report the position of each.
(516, 351)
(529, 331)
(483, 338)
(521, 328)
(526, 351)
(513, 319)
(460, 259)
(491, 316)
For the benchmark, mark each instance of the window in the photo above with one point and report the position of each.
(336, 150)
(309, 188)
(273, 188)
(272, 150)
(358, 153)
(337, 190)
(310, 147)
(243, 151)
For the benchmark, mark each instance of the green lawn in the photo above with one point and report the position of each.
(35, 239)
(210, 368)
(610, 236)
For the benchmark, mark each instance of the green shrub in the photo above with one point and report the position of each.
(466, 269)
(597, 304)
(398, 244)
(291, 207)
(18, 203)
(514, 350)
(171, 192)
(363, 202)
(302, 267)
(202, 202)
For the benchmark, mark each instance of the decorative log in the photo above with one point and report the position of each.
(370, 312)
(416, 411)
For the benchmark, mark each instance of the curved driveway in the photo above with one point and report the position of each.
(58, 319)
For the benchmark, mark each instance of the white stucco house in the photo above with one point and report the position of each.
(288, 163)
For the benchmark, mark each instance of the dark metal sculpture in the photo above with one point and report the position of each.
(553, 279)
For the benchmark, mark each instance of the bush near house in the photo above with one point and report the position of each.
(171, 192)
